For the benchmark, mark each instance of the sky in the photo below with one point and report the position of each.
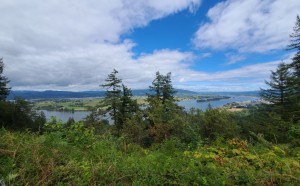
(207, 45)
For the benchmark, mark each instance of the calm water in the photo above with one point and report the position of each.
(64, 116)
(188, 104)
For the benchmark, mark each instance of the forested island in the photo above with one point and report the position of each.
(157, 143)
(212, 98)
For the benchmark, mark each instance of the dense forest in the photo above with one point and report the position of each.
(160, 143)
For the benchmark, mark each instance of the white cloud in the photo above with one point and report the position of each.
(85, 69)
(73, 45)
(246, 78)
(248, 25)
(234, 58)
(80, 69)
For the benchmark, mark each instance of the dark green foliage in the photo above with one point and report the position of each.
(261, 121)
(96, 120)
(295, 44)
(165, 118)
(280, 91)
(113, 95)
(19, 115)
(128, 107)
(4, 89)
(295, 66)
(284, 91)
(135, 130)
(294, 134)
(162, 88)
(218, 123)
(118, 103)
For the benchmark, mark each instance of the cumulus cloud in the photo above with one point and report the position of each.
(247, 78)
(73, 45)
(81, 69)
(248, 25)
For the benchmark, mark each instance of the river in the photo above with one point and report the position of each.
(188, 104)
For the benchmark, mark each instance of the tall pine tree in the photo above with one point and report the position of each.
(164, 116)
(295, 65)
(127, 106)
(113, 95)
(4, 89)
(279, 91)
(162, 88)
(295, 44)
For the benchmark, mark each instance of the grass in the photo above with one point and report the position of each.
(67, 104)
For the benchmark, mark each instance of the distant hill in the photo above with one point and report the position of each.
(50, 94)
(245, 93)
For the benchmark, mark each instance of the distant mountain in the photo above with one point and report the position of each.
(179, 92)
(51, 94)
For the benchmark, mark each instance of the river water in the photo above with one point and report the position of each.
(188, 104)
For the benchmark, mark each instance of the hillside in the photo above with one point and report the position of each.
(50, 94)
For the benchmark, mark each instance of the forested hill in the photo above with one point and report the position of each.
(49, 94)
(243, 93)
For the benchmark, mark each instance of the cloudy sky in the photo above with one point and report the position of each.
(207, 45)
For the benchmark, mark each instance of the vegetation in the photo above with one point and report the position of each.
(75, 156)
(295, 66)
(280, 90)
(158, 144)
(4, 90)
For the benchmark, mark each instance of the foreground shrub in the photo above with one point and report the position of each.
(74, 156)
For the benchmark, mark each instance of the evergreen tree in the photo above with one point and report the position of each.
(165, 117)
(162, 88)
(280, 89)
(112, 98)
(127, 107)
(167, 89)
(295, 44)
(156, 88)
(295, 65)
(4, 90)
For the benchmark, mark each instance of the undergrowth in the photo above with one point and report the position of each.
(75, 156)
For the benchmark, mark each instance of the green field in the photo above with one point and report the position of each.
(74, 104)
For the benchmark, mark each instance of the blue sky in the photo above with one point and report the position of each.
(207, 45)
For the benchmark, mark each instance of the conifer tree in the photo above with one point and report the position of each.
(113, 95)
(295, 44)
(167, 89)
(279, 91)
(295, 65)
(4, 90)
(164, 116)
(162, 88)
(127, 107)
(156, 87)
